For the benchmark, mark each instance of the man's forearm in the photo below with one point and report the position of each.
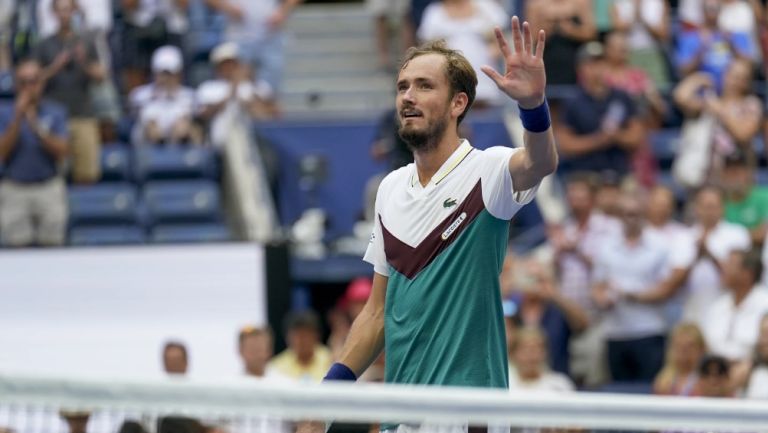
(365, 341)
(9, 138)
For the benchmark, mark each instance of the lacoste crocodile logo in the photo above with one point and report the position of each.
(449, 202)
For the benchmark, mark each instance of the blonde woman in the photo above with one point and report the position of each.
(684, 352)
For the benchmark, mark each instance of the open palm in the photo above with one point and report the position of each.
(524, 78)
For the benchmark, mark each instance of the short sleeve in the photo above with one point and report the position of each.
(375, 254)
(430, 23)
(683, 254)
(686, 48)
(743, 44)
(499, 194)
(600, 265)
(59, 126)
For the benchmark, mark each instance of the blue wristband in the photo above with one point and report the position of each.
(339, 371)
(536, 119)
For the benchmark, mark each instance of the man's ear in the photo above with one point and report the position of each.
(459, 103)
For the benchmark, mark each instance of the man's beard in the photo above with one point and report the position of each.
(424, 140)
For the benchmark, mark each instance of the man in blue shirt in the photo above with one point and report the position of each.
(33, 207)
(710, 50)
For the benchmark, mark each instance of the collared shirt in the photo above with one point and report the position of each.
(29, 162)
(575, 276)
(153, 104)
(632, 268)
(287, 364)
(703, 285)
(731, 330)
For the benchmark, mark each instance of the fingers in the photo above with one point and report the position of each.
(540, 44)
(527, 40)
(492, 74)
(517, 36)
(503, 46)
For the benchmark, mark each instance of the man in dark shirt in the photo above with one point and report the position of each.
(71, 66)
(599, 128)
(33, 207)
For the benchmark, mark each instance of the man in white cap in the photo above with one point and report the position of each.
(233, 95)
(163, 109)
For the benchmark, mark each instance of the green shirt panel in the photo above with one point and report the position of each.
(752, 211)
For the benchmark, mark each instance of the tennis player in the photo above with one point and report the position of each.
(442, 226)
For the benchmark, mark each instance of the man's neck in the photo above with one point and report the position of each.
(65, 31)
(257, 371)
(428, 162)
(740, 294)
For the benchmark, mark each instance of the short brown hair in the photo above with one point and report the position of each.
(248, 331)
(458, 70)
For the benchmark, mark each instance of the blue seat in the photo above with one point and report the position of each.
(106, 235)
(115, 162)
(190, 233)
(182, 201)
(153, 163)
(105, 203)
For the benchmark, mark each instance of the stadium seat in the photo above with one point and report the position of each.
(115, 162)
(106, 235)
(152, 163)
(185, 233)
(106, 203)
(181, 201)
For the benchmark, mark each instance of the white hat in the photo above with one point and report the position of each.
(225, 51)
(167, 58)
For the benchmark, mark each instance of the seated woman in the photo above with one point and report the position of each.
(684, 352)
(531, 373)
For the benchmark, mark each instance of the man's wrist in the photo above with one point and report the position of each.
(339, 371)
(536, 119)
(531, 103)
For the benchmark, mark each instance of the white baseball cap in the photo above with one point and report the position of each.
(167, 59)
(225, 51)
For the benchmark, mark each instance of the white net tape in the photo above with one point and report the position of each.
(114, 400)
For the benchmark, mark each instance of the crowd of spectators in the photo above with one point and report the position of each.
(80, 73)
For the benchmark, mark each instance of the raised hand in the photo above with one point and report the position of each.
(524, 78)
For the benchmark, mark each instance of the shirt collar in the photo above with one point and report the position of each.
(448, 166)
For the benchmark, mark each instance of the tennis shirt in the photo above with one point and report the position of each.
(442, 246)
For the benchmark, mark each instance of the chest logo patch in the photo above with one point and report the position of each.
(449, 202)
(454, 225)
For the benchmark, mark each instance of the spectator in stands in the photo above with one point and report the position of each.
(733, 119)
(539, 304)
(742, 16)
(690, 13)
(635, 81)
(147, 26)
(697, 259)
(714, 378)
(175, 360)
(646, 24)
(710, 50)
(94, 19)
(660, 214)
(33, 142)
(467, 26)
(609, 193)
(232, 96)
(256, 26)
(530, 359)
(757, 382)
(163, 109)
(685, 349)
(511, 328)
(77, 421)
(256, 348)
(387, 14)
(71, 67)
(635, 332)
(745, 203)
(569, 24)
(575, 246)
(600, 127)
(305, 359)
(732, 322)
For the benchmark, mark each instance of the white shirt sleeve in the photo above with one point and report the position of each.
(684, 252)
(375, 254)
(499, 194)
(429, 28)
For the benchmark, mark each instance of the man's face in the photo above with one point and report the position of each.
(175, 361)
(616, 48)
(734, 273)
(424, 101)
(256, 351)
(709, 208)
(580, 198)
(227, 69)
(29, 80)
(661, 205)
(737, 179)
(632, 215)
(530, 356)
(592, 75)
(303, 341)
(64, 9)
(167, 78)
